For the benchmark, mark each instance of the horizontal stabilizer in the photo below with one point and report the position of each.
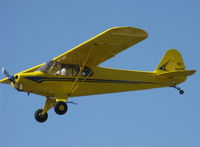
(182, 73)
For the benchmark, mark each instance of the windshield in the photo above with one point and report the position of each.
(56, 68)
(45, 67)
(49, 67)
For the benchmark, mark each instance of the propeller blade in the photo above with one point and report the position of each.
(5, 72)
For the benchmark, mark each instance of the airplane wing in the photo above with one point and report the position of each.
(103, 46)
(99, 48)
(5, 81)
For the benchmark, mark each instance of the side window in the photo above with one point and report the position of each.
(73, 70)
(87, 72)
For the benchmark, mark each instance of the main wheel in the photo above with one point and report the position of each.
(60, 108)
(39, 117)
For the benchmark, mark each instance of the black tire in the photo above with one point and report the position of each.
(39, 117)
(181, 92)
(60, 108)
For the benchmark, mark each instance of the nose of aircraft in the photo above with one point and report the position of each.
(17, 77)
(16, 82)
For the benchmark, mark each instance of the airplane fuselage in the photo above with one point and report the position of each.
(103, 80)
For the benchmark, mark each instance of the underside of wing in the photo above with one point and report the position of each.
(103, 46)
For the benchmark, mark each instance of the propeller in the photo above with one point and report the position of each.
(11, 78)
(5, 72)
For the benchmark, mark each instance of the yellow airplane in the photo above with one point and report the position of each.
(77, 72)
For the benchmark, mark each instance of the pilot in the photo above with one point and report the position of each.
(63, 71)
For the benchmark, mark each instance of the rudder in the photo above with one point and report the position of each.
(171, 61)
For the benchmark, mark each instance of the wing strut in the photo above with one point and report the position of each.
(75, 85)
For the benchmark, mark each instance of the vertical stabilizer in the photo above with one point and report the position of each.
(171, 61)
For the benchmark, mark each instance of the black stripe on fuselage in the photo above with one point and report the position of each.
(44, 79)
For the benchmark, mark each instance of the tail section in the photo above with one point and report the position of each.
(172, 67)
(171, 61)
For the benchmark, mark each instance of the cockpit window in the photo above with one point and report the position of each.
(68, 69)
(56, 68)
(49, 67)
(87, 72)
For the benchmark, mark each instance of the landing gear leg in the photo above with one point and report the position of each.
(41, 114)
(179, 89)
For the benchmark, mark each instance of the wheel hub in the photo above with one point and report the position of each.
(61, 107)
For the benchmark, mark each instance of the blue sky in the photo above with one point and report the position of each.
(33, 32)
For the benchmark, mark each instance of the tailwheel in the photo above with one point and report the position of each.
(60, 108)
(181, 91)
(39, 117)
